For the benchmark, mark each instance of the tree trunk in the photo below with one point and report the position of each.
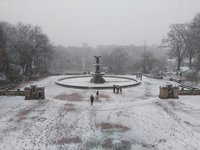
(179, 65)
(30, 68)
(24, 68)
(190, 62)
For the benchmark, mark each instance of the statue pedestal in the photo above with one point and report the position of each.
(97, 76)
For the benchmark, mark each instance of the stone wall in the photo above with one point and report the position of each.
(153, 76)
(31, 92)
(189, 92)
(34, 92)
(169, 92)
(11, 93)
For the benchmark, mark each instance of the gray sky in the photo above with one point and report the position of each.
(73, 22)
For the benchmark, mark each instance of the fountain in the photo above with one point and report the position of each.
(97, 76)
(86, 82)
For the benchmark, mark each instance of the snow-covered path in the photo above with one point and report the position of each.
(135, 119)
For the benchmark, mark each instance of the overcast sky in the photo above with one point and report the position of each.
(73, 22)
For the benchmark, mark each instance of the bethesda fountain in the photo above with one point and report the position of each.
(97, 77)
(96, 80)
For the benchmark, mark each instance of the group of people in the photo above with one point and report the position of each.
(139, 76)
(92, 98)
(117, 89)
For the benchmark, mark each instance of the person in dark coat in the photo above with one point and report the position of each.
(91, 99)
(117, 89)
(114, 87)
(120, 89)
(97, 95)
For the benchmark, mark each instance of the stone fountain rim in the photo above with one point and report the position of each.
(93, 87)
(101, 73)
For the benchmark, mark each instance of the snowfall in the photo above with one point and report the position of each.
(134, 119)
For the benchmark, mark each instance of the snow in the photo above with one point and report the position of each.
(184, 69)
(136, 119)
(2, 77)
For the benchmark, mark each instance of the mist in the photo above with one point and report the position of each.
(123, 22)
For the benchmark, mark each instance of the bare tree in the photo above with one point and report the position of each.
(176, 41)
(4, 61)
(30, 46)
(150, 63)
(195, 26)
(189, 37)
(119, 59)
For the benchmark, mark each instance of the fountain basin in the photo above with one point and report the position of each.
(83, 82)
(97, 78)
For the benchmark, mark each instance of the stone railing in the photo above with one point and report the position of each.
(189, 92)
(11, 93)
(153, 76)
(169, 91)
(31, 92)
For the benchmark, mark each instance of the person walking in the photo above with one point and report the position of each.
(117, 89)
(97, 95)
(120, 89)
(114, 87)
(91, 99)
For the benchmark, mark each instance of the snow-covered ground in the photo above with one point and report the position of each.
(135, 119)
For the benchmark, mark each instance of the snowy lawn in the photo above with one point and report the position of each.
(136, 119)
